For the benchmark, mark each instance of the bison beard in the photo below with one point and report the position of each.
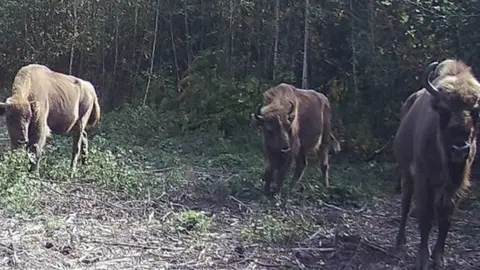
(435, 146)
(295, 123)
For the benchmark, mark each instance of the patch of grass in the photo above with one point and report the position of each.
(277, 229)
(109, 166)
(191, 221)
(18, 189)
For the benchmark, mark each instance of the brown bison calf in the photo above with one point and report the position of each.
(435, 146)
(44, 101)
(294, 122)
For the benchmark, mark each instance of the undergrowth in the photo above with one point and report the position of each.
(140, 153)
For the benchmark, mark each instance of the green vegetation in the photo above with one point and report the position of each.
(176, 161)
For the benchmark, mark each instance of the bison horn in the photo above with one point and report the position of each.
(426, 79)
(257, 114)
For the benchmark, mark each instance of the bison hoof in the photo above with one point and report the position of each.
(438, 261)
(33, 168)
(400, 243)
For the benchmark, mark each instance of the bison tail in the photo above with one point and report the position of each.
(95, 115)
(335, 144)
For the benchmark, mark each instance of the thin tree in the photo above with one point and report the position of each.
(187, 33)
(305, 49)
(72, 48)
(354, 54)
(172, 37)
(152, 57)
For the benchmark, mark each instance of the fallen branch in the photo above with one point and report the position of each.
(379, 248)
(315, 249)
(241, 203)
(118, 244)
(333, 206)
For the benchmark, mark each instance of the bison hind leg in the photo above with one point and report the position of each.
(84, 147)
(323, 159)
(77, 133)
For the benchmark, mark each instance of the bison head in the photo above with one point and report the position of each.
(17, 116)
(455, 99)
(276, 126)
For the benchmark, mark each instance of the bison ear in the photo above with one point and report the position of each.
(291, 112)
(34, 106)
(3, 108)
(291, 117)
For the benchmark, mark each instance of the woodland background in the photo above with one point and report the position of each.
(175, 166)
(206, 63)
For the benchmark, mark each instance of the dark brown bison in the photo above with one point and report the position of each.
(435, 146)
(411, 99)
(294, 122)
(43, 102)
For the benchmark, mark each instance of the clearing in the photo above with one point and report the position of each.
(148, 200)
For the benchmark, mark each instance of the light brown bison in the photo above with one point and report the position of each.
(43, 102)
(435, 146)
(294, 122)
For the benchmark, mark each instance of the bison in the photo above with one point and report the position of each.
(435, 146)
(294, 122)
(409, 102)
(44, 102)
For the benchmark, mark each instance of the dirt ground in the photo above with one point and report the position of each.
(81, 227)
(84, 229)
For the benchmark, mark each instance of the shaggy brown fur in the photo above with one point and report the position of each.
(295, 123)
(44, 102)
(411, 99)
(435, 146)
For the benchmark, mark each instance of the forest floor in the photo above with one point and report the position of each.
(149, 201)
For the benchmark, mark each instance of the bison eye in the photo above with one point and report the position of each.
(444, 116)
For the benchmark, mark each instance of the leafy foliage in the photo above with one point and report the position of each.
(214, 59)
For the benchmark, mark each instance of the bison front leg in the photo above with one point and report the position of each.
(267, 179)
(37, 138)
(425, 210)
(34, 154)
(300, 164)
(444, 211)
(407, 191)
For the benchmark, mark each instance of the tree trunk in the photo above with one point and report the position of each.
(187, 33)
(72, 48)
(277, 36)
(172, 37)
(305, 49)
(113, 85)
(354, 55)
(133, 75)
(147, 89)
(230, 54)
